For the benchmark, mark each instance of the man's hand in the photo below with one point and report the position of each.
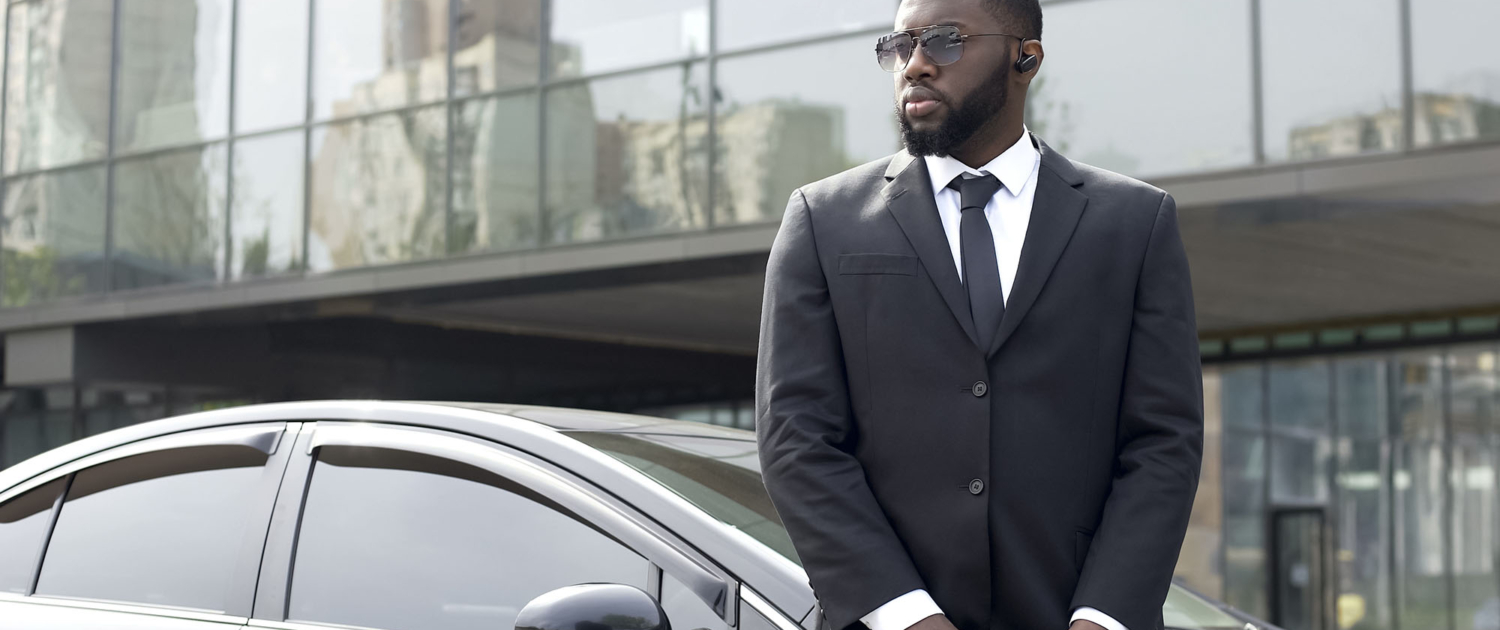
(1084, 624)
(933, 622)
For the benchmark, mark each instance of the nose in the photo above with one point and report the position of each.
(918, 67)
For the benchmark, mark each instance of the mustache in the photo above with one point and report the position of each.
(920, 93)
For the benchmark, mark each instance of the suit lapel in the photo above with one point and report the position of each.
(1055, 212)
(909, 198)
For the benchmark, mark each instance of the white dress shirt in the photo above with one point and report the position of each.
(1008, 213)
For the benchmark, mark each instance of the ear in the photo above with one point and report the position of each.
(1026, 69)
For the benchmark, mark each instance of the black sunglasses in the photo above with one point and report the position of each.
(941, 44)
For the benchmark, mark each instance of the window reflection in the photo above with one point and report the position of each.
(593, 36)
(461, 547)
(271, 80)
(779, 130)
(1456, 74)
(1300, 450)
(1473, 416)
(498, 45)
(23, 523)
(57, 83)
(266, 212)
(371, 56)
(378, 190)
(53, 237)
(495, 178)
(1422, 586)
(1245, 577)
(627, 155)
(1363, 535)
(173, 72)
(1089, 103)
(747, 23)
(169, 218)
(1332, 73)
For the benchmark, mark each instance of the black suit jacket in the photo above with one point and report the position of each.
(1052, 470)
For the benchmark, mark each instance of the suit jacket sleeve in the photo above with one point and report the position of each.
(853, 558)
(1160, 442)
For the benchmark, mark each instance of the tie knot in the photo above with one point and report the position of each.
(975, 190)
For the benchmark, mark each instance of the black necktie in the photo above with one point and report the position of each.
(977, 250)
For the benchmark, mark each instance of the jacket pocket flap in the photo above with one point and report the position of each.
(899, 264)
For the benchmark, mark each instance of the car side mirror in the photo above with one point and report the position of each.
(593, 607)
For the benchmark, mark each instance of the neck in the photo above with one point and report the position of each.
(989, 141)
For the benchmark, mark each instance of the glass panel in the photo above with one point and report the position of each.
(593, 36)
(496, 154)
(163, 529)
(1300, 447)
(1244, 404)
(54, 236)
(685, 610)
(1473, 418)
(35, 420)
(1363, 567)
(272, 73)
(174, 73)
(1332, 73)
(462, 548)
(1421, 588)
(780, 130)
(23, 524)
(266, 212)
(1456, 72)
(57, 85)
(169, 218)
(109, 409)
(370, 56)
(1184, 610)
(1200, 562)
(1193, 115)
(1245, 522)
(1299, 570)
(499, 45)
(746, 23)
(627, 155)
(378, 190)
(720, 476)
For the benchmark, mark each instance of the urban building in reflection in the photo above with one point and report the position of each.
(571, 202)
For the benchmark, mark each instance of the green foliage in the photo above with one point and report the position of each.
(33, 277)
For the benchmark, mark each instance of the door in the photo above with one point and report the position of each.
(1299, 572)
(416, 529)
(159, 534)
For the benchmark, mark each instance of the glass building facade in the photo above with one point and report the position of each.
(167, 147)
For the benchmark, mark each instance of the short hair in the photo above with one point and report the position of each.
(1023, 15)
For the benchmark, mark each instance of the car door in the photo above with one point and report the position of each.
(403, 528)
(165, 533)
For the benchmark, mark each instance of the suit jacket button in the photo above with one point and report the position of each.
(976, 486)
(980, 388)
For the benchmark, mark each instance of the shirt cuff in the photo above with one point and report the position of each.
(1092, 614)
(901, 613)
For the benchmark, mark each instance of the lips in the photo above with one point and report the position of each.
(920, 101)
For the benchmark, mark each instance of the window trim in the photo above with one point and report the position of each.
(263, 436)
(658, 549)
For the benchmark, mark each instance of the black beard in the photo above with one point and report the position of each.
(976, 109)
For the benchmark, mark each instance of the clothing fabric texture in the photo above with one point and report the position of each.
(1049, 470)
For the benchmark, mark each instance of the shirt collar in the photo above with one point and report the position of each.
(1012, 167)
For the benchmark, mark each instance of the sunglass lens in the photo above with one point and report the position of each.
(942, 45)
(893, 51)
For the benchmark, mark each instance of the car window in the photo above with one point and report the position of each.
(720, 476)
(685, 610)
(406, 541)
(23, 525)
(750, 619)
(163, 528)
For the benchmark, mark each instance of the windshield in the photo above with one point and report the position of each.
(721, 476)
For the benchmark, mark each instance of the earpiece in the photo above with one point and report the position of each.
(1025, 63)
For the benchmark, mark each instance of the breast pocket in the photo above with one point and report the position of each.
(864, 264)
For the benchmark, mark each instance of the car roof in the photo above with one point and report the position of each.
(538, 430)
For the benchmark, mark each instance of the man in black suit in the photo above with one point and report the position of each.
(978, 396)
